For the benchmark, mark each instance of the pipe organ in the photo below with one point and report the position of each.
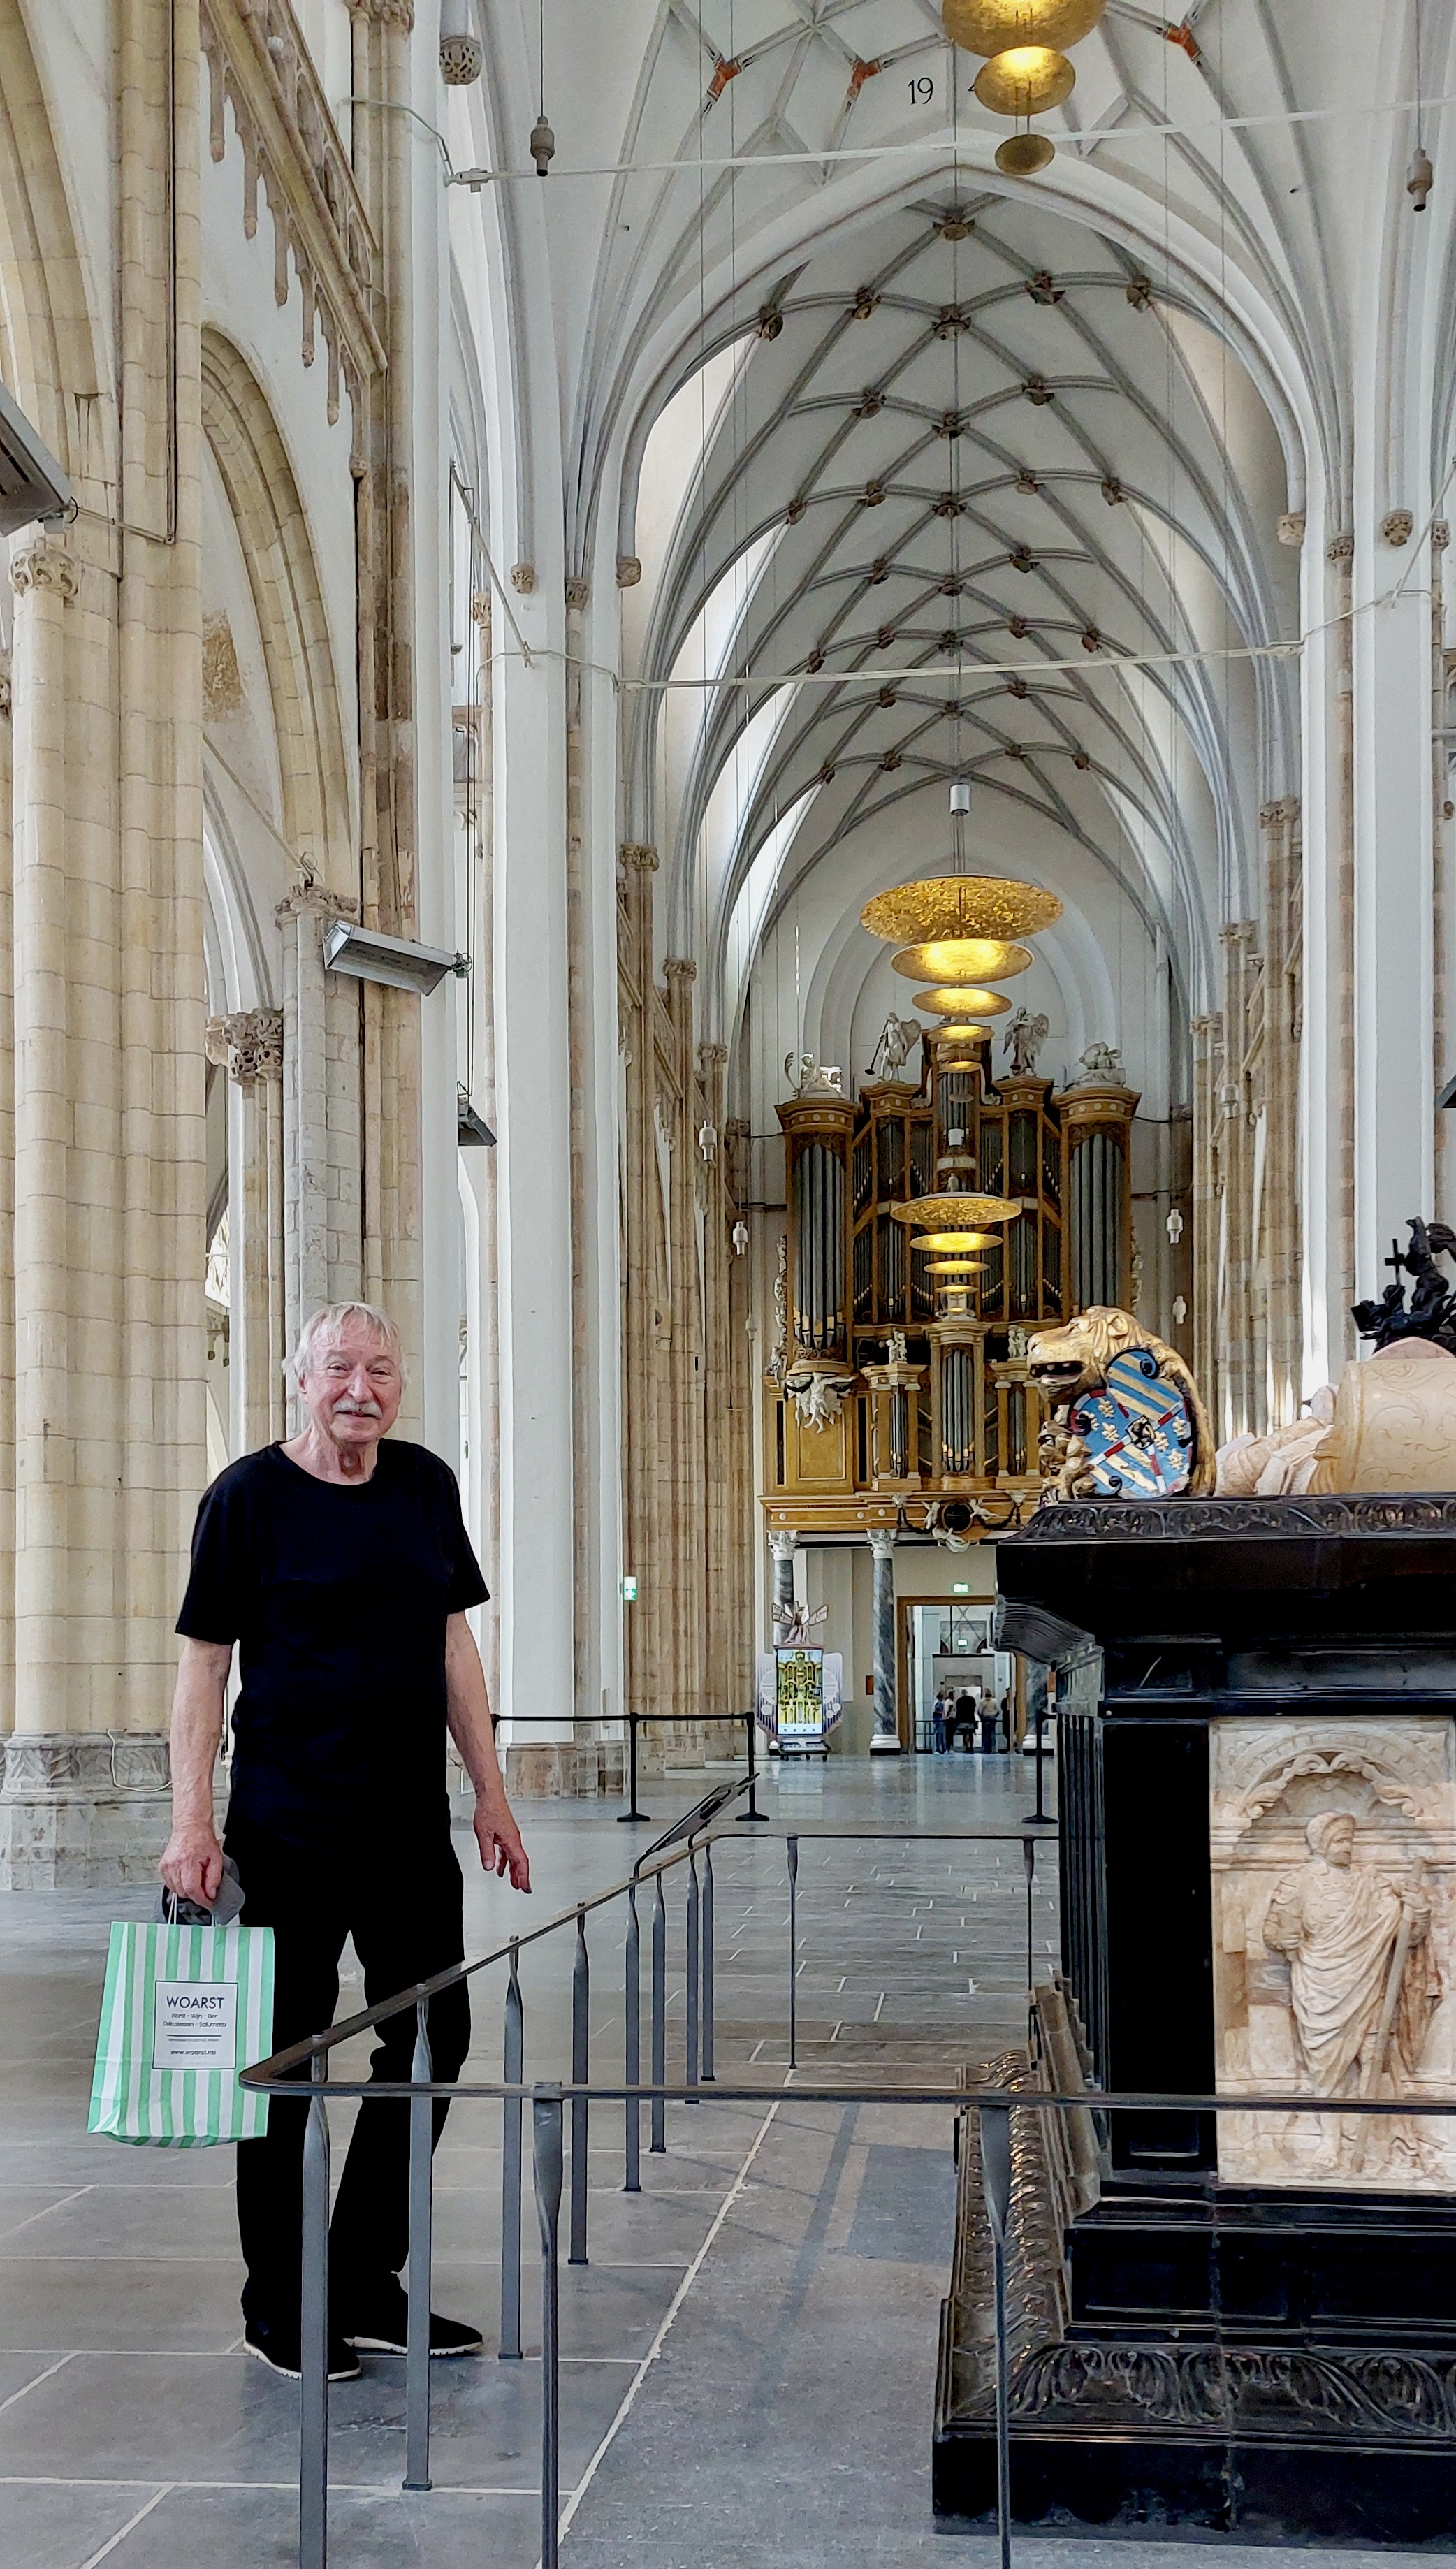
(890, 1377)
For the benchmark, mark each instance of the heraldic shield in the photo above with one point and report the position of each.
(1137, 1431)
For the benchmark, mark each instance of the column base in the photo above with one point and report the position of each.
(82, 1814)
(886, 1748)
(574, 1769)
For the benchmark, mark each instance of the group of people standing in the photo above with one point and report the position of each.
(978, 1717)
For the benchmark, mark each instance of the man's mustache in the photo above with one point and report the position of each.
(357, 1409)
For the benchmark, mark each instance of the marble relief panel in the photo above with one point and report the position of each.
(1333, 1849)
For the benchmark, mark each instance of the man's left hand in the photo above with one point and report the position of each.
(498, 1840)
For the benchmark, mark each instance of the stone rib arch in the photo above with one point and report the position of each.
(308, 723)
(49, 337)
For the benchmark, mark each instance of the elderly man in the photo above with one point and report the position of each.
(340, 1564)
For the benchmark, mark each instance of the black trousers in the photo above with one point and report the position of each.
(403, 1909)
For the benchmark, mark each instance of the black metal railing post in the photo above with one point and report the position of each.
(996, 2170)
(634, 1720)
(710, 1966)
(658, 2140)
(752, 1812)
(793, 1953)
(416, 2334)
(313, 2431)
(513, 2070)
(580, 2073)
(546, 2117)
(694, 1975)
(633, 2044)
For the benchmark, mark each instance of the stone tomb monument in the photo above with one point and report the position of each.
(1233, 2322)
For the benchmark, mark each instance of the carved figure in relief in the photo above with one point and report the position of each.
(812, 1078)
(1072, 1362)
(774, 1370)
(896, 1042)
(1363, 1986)
(817, 1397)
(1100, 1061)
(1281, 1465)
(1025, 1036)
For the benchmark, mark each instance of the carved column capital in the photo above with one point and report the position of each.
(784, 1545)
(311, 900)
(44, 565)
(5, 697)
(248, 1046)
(386, 13)
(1281, 815)
(644, 858)
(881, 1541)
(680, 967)
(711, 1057)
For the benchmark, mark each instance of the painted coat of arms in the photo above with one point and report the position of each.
(1137, 1431)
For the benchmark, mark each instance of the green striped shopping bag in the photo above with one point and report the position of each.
(185, 2008)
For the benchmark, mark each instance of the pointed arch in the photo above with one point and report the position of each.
(288, 594)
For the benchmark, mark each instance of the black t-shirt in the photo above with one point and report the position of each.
(338, 1595)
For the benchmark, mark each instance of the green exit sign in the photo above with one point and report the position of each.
(629, 1589)
(960, 1588)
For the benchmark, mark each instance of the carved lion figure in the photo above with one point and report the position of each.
(1073, 1359)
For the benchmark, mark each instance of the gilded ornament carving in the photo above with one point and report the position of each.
(45, 566)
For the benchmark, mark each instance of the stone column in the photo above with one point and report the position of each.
(323, 1254)
(249, 1046)
(885, 1740)
(783, 1547)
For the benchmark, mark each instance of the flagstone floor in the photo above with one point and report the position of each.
(750, 2354)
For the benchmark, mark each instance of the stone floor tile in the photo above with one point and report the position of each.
(58, 2527)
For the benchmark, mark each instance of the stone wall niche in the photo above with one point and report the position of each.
(1334, 1854)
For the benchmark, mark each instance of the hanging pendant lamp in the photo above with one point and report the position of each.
(957, 1242)
(963, 958)
(962, 1003)
(994, 26)
(960, 905)
(967, 1212)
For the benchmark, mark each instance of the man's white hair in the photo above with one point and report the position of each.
(329, 1320)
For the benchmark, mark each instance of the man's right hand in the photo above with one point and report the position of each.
(191, 1864)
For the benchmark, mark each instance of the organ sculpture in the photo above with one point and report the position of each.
(931, 1225)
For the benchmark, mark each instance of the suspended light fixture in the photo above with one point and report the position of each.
(993, 26)
(972, 1213)
(968, 1031)
(956, 1243)
(1026, 81)
(957, 1267)
(960, 905)
(963, 958)
(1026, 71)
(962, 1003)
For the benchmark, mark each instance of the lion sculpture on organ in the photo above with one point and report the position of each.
(1072, 1363)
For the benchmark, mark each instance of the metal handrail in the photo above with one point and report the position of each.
(314, 2044)
(561, 2105)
